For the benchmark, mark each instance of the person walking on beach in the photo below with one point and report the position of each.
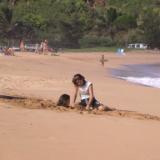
(85, 88)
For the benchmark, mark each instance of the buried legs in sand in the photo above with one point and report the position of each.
(95, 105)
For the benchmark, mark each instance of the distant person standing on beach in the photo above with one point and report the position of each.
(21, 45)
(45, 46)
(41, 47)
(37, 48)
(85, 88)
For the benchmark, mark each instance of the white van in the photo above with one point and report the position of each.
(138, 45)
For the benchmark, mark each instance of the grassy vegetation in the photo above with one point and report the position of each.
(100, 49)
(96, 49)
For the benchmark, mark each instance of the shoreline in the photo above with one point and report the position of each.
(141, 74)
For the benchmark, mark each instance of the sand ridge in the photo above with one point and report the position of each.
(37, 103)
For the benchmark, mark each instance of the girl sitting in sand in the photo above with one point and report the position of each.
(85, 88)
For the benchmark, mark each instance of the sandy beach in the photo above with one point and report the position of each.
(39, 134)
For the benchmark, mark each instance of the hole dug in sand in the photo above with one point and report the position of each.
(36, 103)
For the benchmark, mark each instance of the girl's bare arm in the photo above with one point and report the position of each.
(91, 96)
(75, 95)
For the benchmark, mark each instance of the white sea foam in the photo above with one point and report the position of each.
(148, 81)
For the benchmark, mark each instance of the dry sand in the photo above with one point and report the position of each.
(49, 134)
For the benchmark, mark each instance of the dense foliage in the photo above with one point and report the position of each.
(76, 23)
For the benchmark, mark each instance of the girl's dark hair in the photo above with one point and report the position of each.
(78, 77)
(64, 100)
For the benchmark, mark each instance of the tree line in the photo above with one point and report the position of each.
(76, 23)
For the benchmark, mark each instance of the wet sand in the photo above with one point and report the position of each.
(139, 70)
(27, 133)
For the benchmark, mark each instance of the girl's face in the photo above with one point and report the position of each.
(80, 82)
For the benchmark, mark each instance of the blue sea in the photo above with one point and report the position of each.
(144, 74)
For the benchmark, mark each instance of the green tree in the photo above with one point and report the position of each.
(151, 27)
(7, 25)
(125, 22)
(12, 27)
(73, 20)
(104, 21)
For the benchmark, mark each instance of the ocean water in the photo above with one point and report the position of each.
(144, 74)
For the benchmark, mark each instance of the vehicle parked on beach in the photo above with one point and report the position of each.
(138, 45)
(15, 48)
(31, 47)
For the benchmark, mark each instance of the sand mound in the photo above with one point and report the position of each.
(31, 103)
(132, 114)
(36, 103)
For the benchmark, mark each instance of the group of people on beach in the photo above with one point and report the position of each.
(41, 48)
(86, 92)
(7, 51)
